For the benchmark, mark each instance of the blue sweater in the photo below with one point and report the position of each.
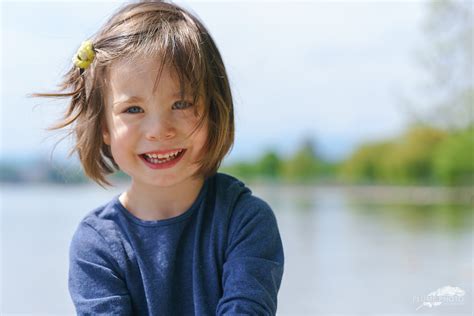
(223, 256)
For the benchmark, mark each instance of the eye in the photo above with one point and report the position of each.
(182, 105)
(134, 110)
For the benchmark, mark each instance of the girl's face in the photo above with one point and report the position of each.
(149, 125)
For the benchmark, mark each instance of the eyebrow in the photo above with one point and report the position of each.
(128, 100)
(134, 99)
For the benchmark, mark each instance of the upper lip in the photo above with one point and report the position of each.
(162, 152)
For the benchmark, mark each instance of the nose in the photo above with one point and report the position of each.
(159, 129)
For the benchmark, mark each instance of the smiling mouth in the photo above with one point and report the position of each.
(161, 159)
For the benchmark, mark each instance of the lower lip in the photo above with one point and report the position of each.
(164, 165)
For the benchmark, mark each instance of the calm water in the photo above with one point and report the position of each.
(344, 255)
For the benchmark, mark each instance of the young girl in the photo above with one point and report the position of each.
(150, 96)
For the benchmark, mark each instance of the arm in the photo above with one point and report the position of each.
(95, 286)
(253, 268)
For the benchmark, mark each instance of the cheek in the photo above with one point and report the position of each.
(122, 144)
(121, 130)
(187, 119)
(201, 137)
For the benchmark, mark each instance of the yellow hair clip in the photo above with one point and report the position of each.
(84, 56)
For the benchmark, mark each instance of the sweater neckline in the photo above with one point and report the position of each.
(167, 221)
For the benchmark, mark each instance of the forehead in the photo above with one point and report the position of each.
(141, 74)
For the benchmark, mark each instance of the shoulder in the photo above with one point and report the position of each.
(245, 207)
(103, 217)
(252, 228)
(233, 191)
(107, 220)
(228, 186)
(99, 233)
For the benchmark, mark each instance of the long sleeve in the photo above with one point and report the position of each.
(253, 267)
(95, 286)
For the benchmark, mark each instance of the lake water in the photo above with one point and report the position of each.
(345, 254)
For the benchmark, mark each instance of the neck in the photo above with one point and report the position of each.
(152, 203)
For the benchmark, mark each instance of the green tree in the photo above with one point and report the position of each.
(244, 170)
(454, 159)
(410, 158)
(269, 165)
(407, 159)
(304, 165)
(364, 165)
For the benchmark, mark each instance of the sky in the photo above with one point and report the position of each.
(335, 71)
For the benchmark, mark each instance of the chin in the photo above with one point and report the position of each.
(164, 182)
(167, 180)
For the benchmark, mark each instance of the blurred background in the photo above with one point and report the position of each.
(354, 121)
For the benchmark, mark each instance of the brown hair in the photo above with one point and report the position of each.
(153, 28)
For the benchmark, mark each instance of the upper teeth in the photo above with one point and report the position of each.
(168, 155)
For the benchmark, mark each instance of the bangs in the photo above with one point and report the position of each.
(177, 42)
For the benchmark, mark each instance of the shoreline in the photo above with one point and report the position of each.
(372, 194)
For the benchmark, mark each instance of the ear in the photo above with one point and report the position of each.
(106, 135)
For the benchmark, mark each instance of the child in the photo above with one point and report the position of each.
(150, 96)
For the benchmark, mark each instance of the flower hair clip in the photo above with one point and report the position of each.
(84, 56)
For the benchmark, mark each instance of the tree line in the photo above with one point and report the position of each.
(422, 155)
